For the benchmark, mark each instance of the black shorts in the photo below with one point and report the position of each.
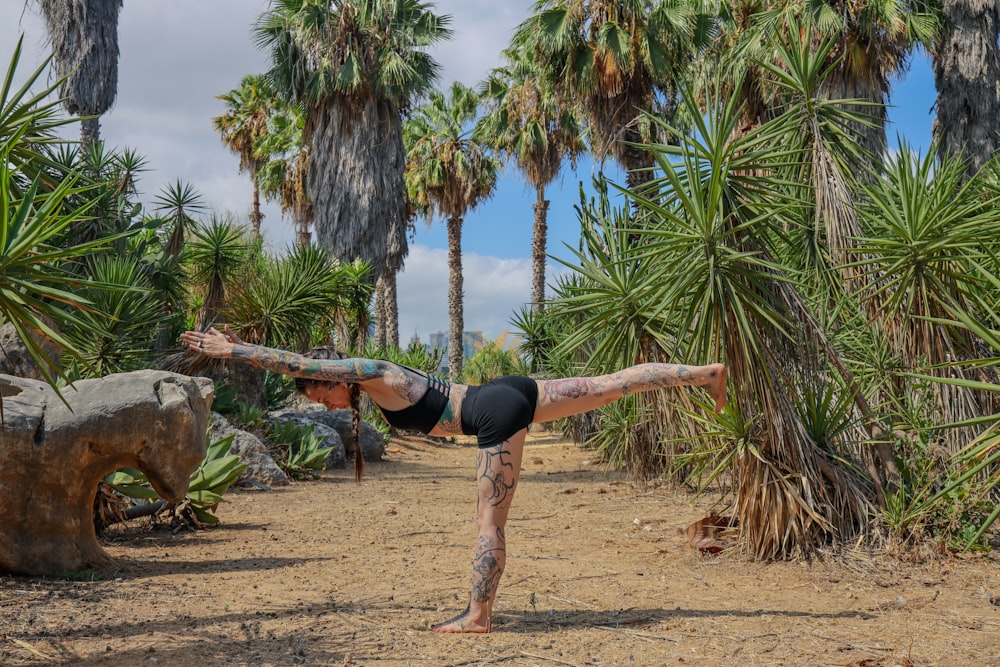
(498, 409)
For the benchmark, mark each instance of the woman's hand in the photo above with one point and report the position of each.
(212, 343)
(233, 338)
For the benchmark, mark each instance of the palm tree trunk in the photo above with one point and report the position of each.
(538, 243)
(90, 131)
(966, 72)
(838, 85)
(456, 347)
(356, 184)
(84, 38)
(391, 309)
(256, 217)
(380, 336)
(302, 234)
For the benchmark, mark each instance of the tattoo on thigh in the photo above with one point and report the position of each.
(487, 566)
(571, 388)
(497, 474)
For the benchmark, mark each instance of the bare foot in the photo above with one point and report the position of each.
(716, 386)
(463, 623)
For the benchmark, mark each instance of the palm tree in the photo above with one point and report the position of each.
(355, 65)
(523, 121)
(617, 60)
(282, 175)
(872, 43)
(966, 72)
(448, 174)
(248, 109)
(84, 37)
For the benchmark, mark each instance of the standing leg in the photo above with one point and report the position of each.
(573, 396)
(497, 468)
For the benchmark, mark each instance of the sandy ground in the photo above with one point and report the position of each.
(329, 572)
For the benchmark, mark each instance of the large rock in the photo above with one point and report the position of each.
(14, 357)
(54, 453)
(261, 466)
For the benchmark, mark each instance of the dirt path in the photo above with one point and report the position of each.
(333, 573)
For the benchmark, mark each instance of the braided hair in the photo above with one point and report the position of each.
(302, 383)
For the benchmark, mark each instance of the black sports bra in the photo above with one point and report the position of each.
(423, 415)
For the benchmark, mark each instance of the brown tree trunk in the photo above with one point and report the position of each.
(538, 243)
(256, 217)
(391, 307)
(302, 234)
(356, 179)
(90, 131)
(838, 85)
(380, 331)
(456, 347)
(967, 78)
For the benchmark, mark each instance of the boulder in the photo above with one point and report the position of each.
(260, 464)
(14, 357)
(54, 452)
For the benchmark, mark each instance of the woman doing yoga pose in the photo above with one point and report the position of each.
(498, 413)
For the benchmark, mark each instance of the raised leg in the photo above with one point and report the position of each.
(573, 396)
(498, 468)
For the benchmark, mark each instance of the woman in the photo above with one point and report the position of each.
(497, 413)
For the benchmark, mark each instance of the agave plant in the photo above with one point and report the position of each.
(304, 451)
(209, 483)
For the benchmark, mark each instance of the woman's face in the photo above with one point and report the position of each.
(334, 395)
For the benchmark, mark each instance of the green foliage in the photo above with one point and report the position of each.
(212, 478)
(289, 298)
(538, 334)
(209, 482)
(304, 452)
(119, 335)
(39, 289)
(949, 500)
(217, 254)
(493, 361)
(379, 48)
(415, 356)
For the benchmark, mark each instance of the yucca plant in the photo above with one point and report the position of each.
(713, 223)
(120, 334)
(930, 237)
(288, 299)
(216, 253)
(29, 123)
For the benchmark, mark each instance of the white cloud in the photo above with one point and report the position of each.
(495, 289)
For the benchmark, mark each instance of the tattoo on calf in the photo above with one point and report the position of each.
(487, 568)
(496, 475)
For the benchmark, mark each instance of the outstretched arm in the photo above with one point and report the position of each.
(214, 343)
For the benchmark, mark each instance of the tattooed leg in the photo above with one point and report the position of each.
(498, 469)
(573, 396)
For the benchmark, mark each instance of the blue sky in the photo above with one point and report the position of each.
(175, 62)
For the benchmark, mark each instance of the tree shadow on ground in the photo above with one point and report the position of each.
(533, 621)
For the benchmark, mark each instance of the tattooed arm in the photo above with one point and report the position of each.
(215, 344)
(296, 365)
